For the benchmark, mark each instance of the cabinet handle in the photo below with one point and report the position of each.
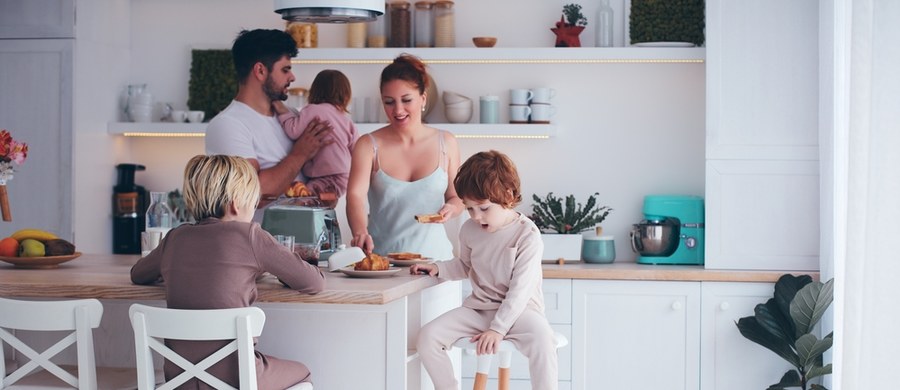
(676, 305)
(724, 306)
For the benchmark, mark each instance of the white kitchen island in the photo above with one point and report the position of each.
(357, 334)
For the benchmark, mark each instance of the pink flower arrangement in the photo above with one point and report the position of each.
(11, 151)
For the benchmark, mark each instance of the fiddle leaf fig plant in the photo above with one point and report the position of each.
(785, 325)
(552, 217)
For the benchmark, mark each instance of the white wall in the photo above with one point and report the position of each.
(102, 58)
(623, 130)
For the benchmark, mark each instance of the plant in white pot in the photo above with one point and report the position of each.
(563, 220)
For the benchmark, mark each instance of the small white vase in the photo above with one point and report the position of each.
(561, 246)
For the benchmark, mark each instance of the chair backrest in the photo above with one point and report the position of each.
(154, 324)
(79, 316)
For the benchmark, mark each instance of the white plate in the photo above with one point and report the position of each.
(663, 44)
(407, 263)
(349, 271)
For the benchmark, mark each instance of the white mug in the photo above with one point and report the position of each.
(519, 113)
(195, 116)
(542, 95)
(179, 116)
(520, 96)
(541, 113)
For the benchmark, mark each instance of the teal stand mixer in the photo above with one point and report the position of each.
(672, 231)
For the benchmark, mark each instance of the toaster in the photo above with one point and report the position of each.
(307, 220)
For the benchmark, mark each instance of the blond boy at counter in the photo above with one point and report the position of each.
(500, 254)
(214, 263)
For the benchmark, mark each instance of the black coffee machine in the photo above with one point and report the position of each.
(129, 209)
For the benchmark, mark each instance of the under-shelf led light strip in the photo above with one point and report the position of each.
(504, 61)
(173, 135)
(469, 136)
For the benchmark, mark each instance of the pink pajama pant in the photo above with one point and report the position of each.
(531, 334)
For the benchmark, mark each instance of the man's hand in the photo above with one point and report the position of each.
(316, 135)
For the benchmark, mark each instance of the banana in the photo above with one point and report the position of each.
(35, 234)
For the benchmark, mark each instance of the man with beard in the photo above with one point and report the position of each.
(249, 127)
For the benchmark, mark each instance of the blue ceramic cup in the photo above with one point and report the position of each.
(598, 249)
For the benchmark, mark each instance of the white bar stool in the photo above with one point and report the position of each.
(153, 324)
(79, 317)
(505, 351)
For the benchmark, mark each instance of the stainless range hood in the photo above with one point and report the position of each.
(329, 11)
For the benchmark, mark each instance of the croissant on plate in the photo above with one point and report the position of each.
(372, 262)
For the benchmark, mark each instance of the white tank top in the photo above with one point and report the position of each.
(393, 205)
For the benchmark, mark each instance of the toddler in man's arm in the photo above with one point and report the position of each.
(329, 96)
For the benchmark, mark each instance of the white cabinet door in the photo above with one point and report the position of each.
(37, 19)
(36, 107)
(730, 361)
(636, 335)
(762, 122)
(762, 215)
(762, 79)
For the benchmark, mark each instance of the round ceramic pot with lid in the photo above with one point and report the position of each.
(598, 249)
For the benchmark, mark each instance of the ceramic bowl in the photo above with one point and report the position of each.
(458, 114)
(453, 97)
(484, 41)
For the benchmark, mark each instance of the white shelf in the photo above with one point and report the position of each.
(463, 130)
(158, 129)
(506, 55)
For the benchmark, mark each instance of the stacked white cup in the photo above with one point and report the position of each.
(541, 108)
(140, 107)
(519, 109)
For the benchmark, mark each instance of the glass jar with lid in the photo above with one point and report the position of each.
(423, 29)
(375, 34)
(400, 24)
(356, 34)
(305, 34)
(444, 22)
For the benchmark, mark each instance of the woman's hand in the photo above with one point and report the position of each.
(364, 241)
(488, 342)
(430, 269)
(447, 211)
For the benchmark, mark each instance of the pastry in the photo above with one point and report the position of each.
(372, 262)
(429, 218)
(404, 256)
(297, 189)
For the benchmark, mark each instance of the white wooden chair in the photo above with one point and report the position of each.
(505, 351)
(153, 324)
(79, 317)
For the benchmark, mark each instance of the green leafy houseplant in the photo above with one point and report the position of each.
(785, 324)
(552, 217)
(213, 82)
(667, 21)
(573, 15)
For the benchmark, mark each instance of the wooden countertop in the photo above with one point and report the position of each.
(635, 271)
(107, 277)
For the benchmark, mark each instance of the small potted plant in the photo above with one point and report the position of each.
(569, 26)
(563, 220)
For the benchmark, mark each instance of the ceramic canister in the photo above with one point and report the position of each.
(489, 109)
(598, 249)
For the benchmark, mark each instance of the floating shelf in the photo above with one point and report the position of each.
(506, 55)
(464, 130)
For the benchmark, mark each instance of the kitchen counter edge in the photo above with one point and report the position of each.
(649, 272)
